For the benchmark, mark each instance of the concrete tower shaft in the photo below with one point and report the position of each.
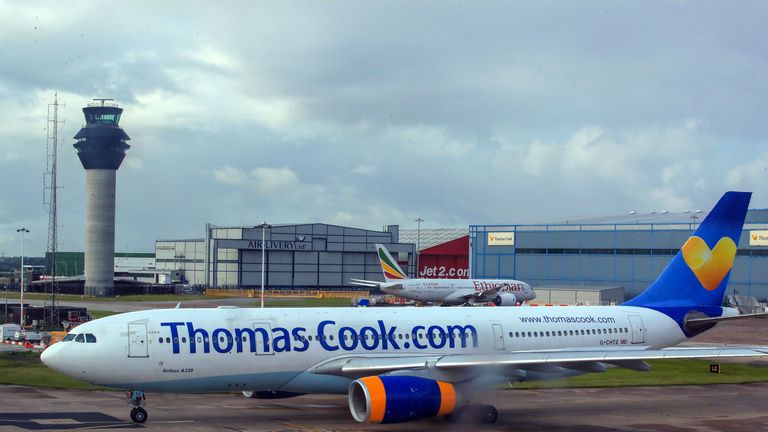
(100, 231)
(101, 146)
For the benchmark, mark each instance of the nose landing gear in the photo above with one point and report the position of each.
(137, 399)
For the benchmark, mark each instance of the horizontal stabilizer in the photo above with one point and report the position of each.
(365, 283)
(712, 320)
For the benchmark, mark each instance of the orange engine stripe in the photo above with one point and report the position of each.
(447, 398)
(378, 397)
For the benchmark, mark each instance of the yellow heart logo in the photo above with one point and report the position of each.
(709, 265)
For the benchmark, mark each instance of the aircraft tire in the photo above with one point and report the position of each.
(488, 414)
(139, 415)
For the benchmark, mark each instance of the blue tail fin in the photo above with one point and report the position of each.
(698, 274)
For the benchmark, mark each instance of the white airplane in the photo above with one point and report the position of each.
(501, 292)
(402, 364)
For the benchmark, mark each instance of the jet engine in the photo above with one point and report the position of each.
(396, 399)
(505, 299)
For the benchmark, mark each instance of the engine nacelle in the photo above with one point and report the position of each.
(395, 399)
(505, 299)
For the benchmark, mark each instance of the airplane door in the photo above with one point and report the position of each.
(263, 338)
(137, 340)
(638, 330)
(498, 337)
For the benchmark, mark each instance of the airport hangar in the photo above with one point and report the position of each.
(629, 251)
(568, 259)
(302, 256)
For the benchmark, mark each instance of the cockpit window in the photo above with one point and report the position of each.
(89, 338)
(80, 338)
(68, 337)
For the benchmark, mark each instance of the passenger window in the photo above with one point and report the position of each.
(183, 340)
(559, 333)
(68, 337)
(547, 334)
(510, 334)
(80, 338)
(529, 334)
(160, 340)
(168, 340)
(199, 339)
(89, 338)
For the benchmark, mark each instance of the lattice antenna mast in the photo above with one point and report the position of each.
(50, 198)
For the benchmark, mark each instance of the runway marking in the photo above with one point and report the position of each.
(302, 427)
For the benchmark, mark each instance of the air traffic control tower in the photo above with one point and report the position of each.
(101, 146)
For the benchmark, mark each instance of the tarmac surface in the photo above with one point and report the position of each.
(673, 409)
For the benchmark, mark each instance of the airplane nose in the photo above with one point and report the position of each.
(51, 357)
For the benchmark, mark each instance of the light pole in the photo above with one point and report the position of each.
(263, 227)
(22, 230)
(418, 243)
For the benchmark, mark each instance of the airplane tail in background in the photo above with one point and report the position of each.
(389, 267)
(698, 275)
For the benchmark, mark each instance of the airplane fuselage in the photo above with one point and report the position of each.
(232, 349)
(456, 291)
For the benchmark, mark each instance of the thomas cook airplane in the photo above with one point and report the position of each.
(402, 364)
(501, 292)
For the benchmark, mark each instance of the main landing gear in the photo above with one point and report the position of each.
(137, 399)
(474, 413)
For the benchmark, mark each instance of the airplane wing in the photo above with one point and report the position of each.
(365, 283)
(486, 295)
(460, 367)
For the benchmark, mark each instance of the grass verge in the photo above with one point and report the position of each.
(664, 372)
(25, 368)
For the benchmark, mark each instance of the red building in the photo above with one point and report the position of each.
(449, 260)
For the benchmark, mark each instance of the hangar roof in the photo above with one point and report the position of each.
(429, 237)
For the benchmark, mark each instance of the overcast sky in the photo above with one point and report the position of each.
(371, 113)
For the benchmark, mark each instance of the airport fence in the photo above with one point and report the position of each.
(278, 293)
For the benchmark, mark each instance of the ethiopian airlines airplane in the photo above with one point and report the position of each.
(501, 292)
(402, 364)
